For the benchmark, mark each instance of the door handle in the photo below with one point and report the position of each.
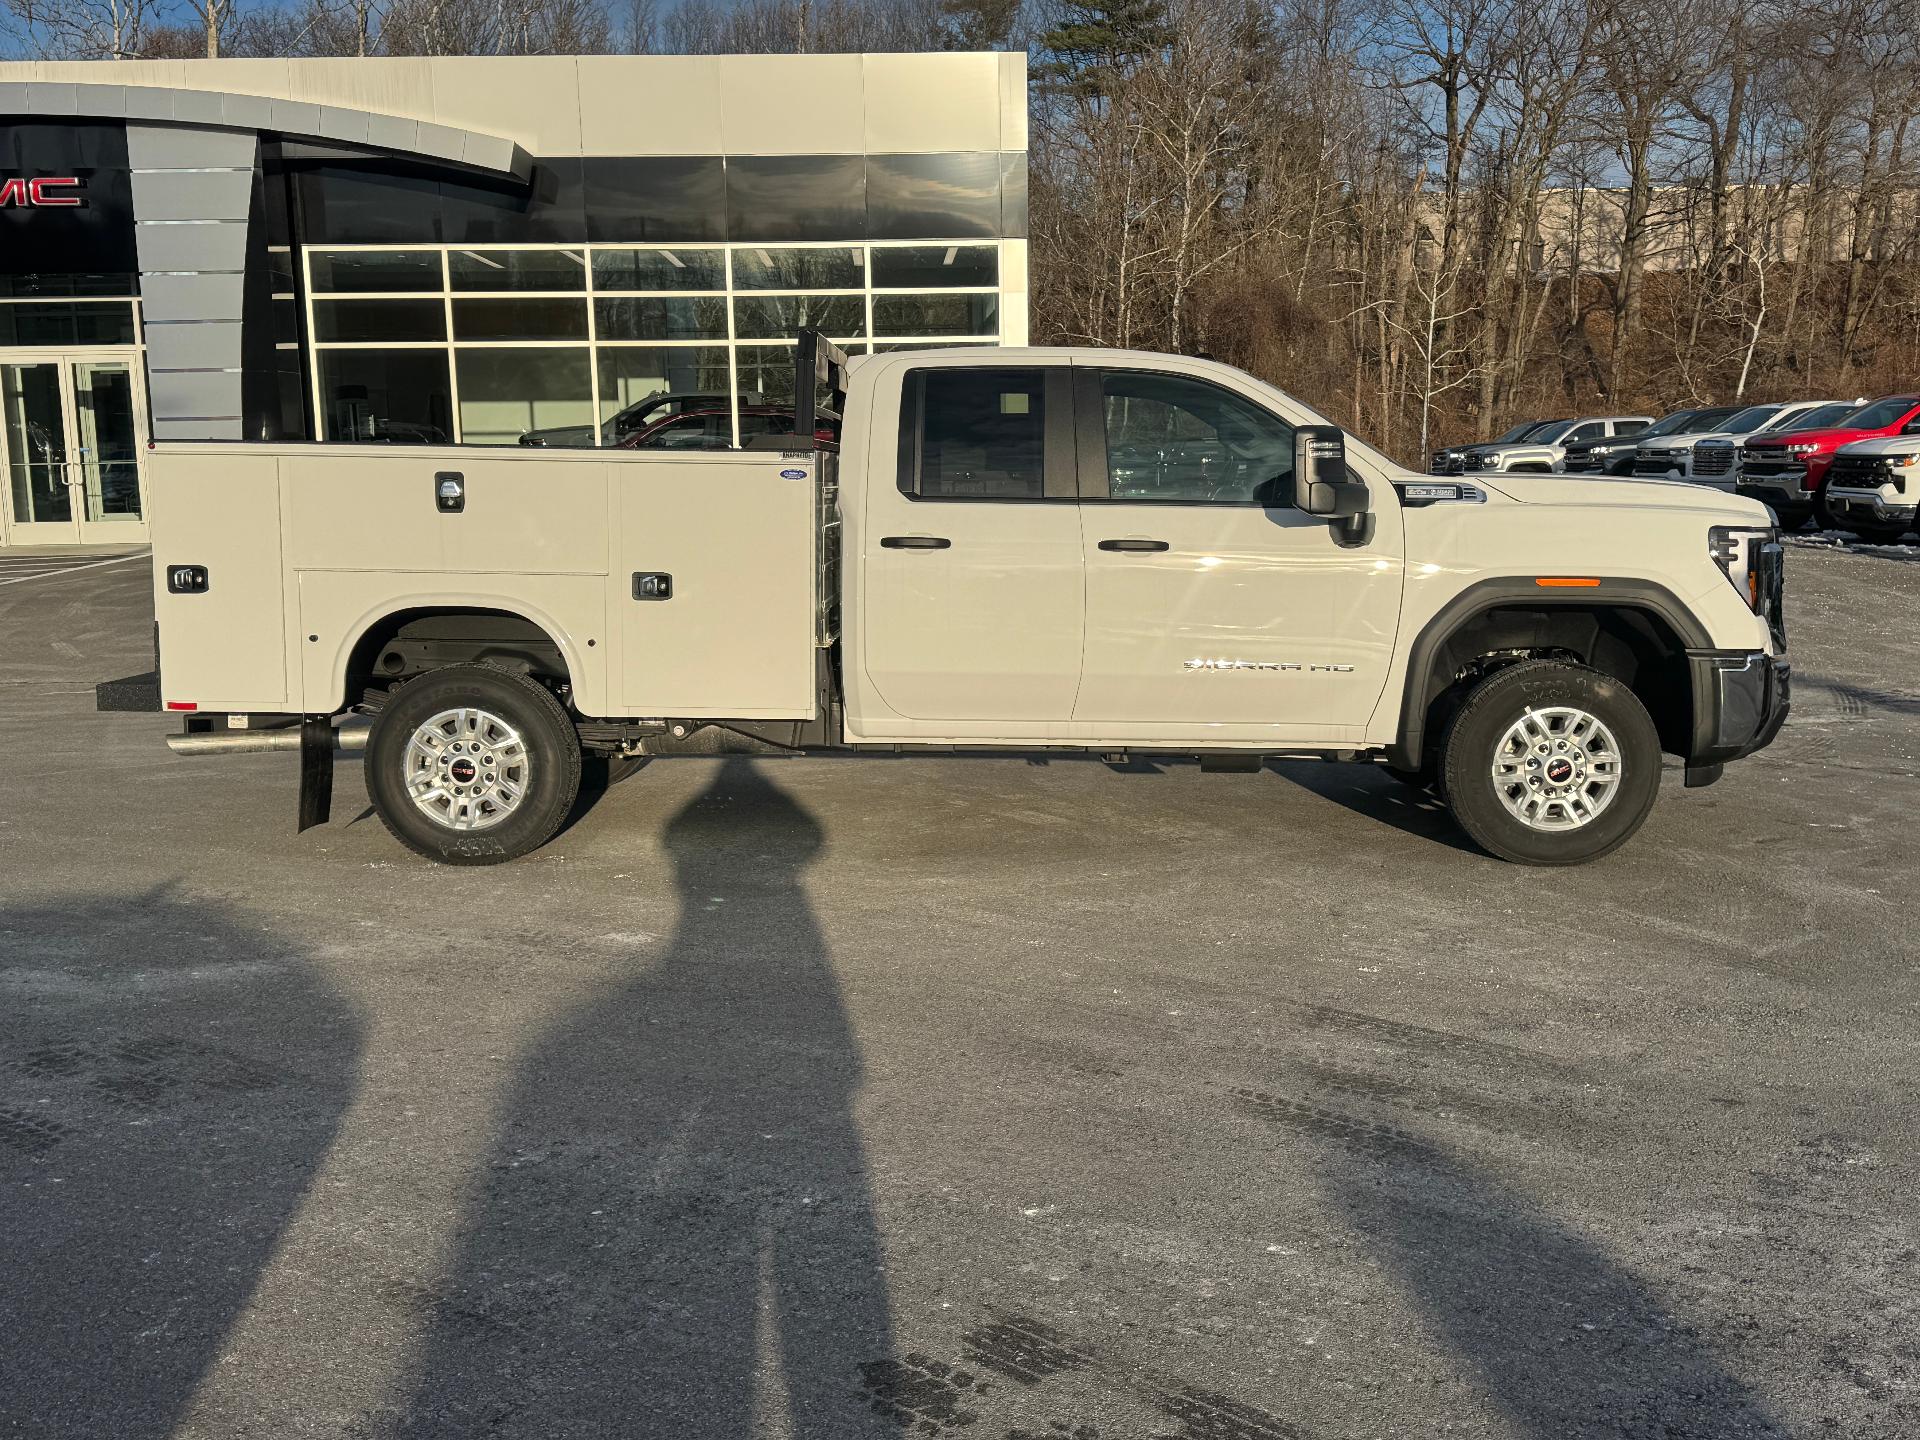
(914, 542)
(1132, 546)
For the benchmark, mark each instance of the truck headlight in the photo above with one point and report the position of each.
(1804, 447)
(1739, 551)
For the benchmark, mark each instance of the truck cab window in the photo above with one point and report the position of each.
(1171, 439)
(981, 435)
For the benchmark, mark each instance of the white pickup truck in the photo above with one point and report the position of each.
(1006, 550)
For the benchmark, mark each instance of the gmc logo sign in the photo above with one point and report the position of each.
(41, 190)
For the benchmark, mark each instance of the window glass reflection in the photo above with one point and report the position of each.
(935, 314)
(628, 318)
(519, 319)
(640, 385)
(656, 199)
(505, 393)
(766, 374)
(374, 270)
(364, 320)
(826, 268)
(783, 198)
(780, 316)
(97, 323)
(934, 267)
(933, 196)
(517, 269)
(661, 269)
(398, 396)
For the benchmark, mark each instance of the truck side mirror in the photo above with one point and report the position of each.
(1321, 485)
(1912, 427)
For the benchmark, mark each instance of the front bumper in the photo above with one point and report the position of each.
(1787, 481)
(1869, 505)
(1740, 701)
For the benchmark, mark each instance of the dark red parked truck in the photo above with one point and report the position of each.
(1789, 470)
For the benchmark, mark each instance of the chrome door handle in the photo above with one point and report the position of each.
(914, 542)
(1135, 546)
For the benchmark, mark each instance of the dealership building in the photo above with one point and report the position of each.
(465, 250)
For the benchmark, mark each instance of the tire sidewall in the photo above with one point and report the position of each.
(1483, 721)
(524, 704)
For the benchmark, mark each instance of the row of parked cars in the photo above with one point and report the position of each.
(1850, 464)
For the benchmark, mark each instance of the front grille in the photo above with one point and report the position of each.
(1654, 462)
(1861, 472)
(1479, 462)
(1758, 464)
(1713, 460)
(1446, 462)
(1583, 464)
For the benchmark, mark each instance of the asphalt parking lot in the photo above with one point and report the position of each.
(978, 1097)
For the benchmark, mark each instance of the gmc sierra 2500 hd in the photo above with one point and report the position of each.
(1082, 550)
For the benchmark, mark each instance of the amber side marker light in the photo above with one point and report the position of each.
(1562, 582)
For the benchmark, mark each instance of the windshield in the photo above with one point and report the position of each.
(1672, 424)
(1518, 432)
(1754, 417)
(1880, 414)
(1548, 432)
(1712, 417)
(1819, 419)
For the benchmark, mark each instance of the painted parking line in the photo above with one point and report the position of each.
(72, 569)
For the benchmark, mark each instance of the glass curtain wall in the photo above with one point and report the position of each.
(582, 345)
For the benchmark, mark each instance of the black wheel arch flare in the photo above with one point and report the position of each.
(1422, 685)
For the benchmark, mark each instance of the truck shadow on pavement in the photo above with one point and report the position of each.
(154, 1147)
(1370, 792)
(674, 1235)
(1564, 1339)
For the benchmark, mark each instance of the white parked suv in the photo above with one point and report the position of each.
(1873, 486)
(1686, 456)
(1544, 450)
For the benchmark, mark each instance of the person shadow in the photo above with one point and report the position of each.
(171, 1078)
(675, 1234)
(1565, 1339)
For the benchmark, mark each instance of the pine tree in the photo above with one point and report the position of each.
(978, 24)
(1099, 42)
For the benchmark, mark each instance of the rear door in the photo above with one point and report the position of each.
(1216, 610)
(975, 603)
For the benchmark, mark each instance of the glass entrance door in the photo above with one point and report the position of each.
(70, 430)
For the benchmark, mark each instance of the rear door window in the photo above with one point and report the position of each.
(983, 434)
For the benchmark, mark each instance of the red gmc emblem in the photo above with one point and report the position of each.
(40, 190)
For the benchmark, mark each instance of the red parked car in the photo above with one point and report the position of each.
(1789, 470)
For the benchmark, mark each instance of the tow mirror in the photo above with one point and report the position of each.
(1322, 486)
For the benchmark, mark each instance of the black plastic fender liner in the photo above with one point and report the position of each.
(316, 771)
(1421, 687)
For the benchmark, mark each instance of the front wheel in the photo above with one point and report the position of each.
(472, 765)
(1548, 763)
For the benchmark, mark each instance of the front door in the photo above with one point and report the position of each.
(974, 594)
(71, 430)
(1216, 611)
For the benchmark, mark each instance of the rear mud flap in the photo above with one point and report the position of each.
(316, 772)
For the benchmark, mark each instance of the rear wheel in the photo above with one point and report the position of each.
(1549, 763)
(472, 765)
